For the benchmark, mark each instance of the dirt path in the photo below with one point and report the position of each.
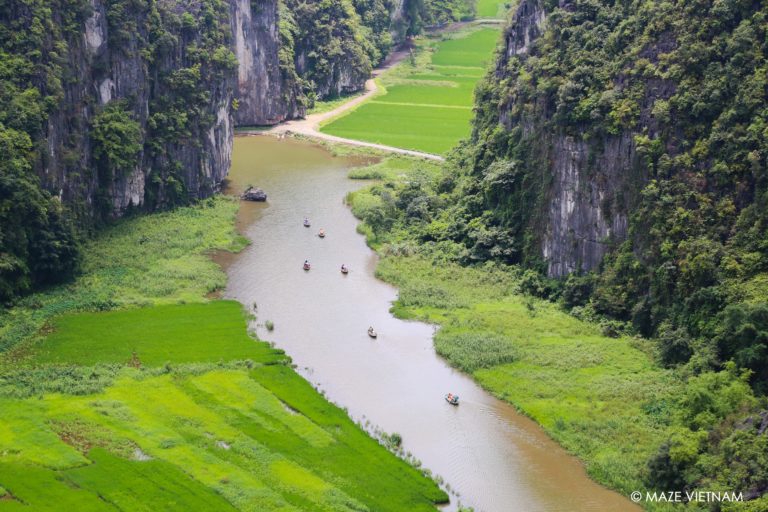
(310, 125)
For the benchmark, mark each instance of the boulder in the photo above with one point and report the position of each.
(254, 194)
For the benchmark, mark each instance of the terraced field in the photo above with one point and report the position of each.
(199, 439)
(428, 102)
(164, 402)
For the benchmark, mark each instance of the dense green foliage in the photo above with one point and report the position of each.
(687, 80)
(186, 51)
(331, 46)
(427, 101)
(57, 139)
(116, 140)
(37, 242)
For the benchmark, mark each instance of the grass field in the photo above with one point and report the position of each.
(129, 390)
(591, 393)
(180, 333)
(428, 102)
(492, 9)
(154, 259)
(259, 439)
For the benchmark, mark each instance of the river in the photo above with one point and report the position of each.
(494, 458)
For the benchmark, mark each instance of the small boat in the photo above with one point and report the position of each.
(306, 265)
(372, 333)
(306, 223)
(321, 234)
(452, 399)
(344, 269)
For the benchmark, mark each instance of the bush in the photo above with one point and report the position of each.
(675, 346)
(116, 139)
(577, 289)
(743, 338)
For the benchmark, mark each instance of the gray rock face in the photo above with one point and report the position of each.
(583, 217)
(526, 26)
(104, 67)
(591, 185)
(254, 194)
(265, 96)
(123, 63)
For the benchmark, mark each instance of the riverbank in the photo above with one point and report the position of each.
(129, 388)
(604, 398)
(493, 458)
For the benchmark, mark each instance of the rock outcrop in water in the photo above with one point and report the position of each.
(254, 194)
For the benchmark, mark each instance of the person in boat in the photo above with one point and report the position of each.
(450, 397)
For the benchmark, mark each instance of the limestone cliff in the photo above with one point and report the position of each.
(174, 68)
(266, 94)
(580, 183)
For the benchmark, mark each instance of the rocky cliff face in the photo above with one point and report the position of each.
(172, 68)
(265, 94)
(586, 182)
(579, 213)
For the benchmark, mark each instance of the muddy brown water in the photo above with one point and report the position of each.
(494, 458)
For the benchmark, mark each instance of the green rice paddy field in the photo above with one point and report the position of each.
(428, 103)
(492, 8)
(164, 402)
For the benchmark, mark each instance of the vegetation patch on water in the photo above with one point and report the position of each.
(127, 389)
(427, 105)
(602, 395)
